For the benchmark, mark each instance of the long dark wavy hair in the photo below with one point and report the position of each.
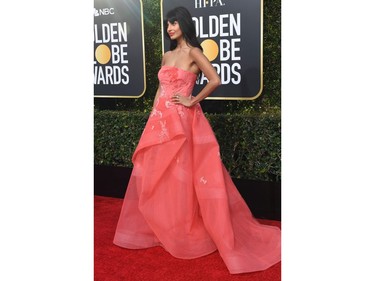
(183, 17)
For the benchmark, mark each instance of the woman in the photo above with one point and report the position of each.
(180, 196)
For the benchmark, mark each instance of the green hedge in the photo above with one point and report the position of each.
(250, 144)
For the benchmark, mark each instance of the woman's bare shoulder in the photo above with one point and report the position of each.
(195, 51)
(196, 55)
(165, 57)
(167, 53)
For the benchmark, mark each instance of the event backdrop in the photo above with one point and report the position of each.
(119, 59)
(230, 33)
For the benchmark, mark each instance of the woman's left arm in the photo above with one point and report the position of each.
(209, 71)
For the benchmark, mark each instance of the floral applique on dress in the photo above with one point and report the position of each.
(164, 131)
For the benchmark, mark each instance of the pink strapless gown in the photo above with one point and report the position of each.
(181, 197)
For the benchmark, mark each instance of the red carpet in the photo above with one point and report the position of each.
(112, 263)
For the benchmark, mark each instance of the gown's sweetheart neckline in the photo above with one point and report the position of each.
(188, 71)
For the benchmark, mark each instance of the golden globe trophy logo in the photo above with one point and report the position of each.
(119, 64)
(230, 33)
